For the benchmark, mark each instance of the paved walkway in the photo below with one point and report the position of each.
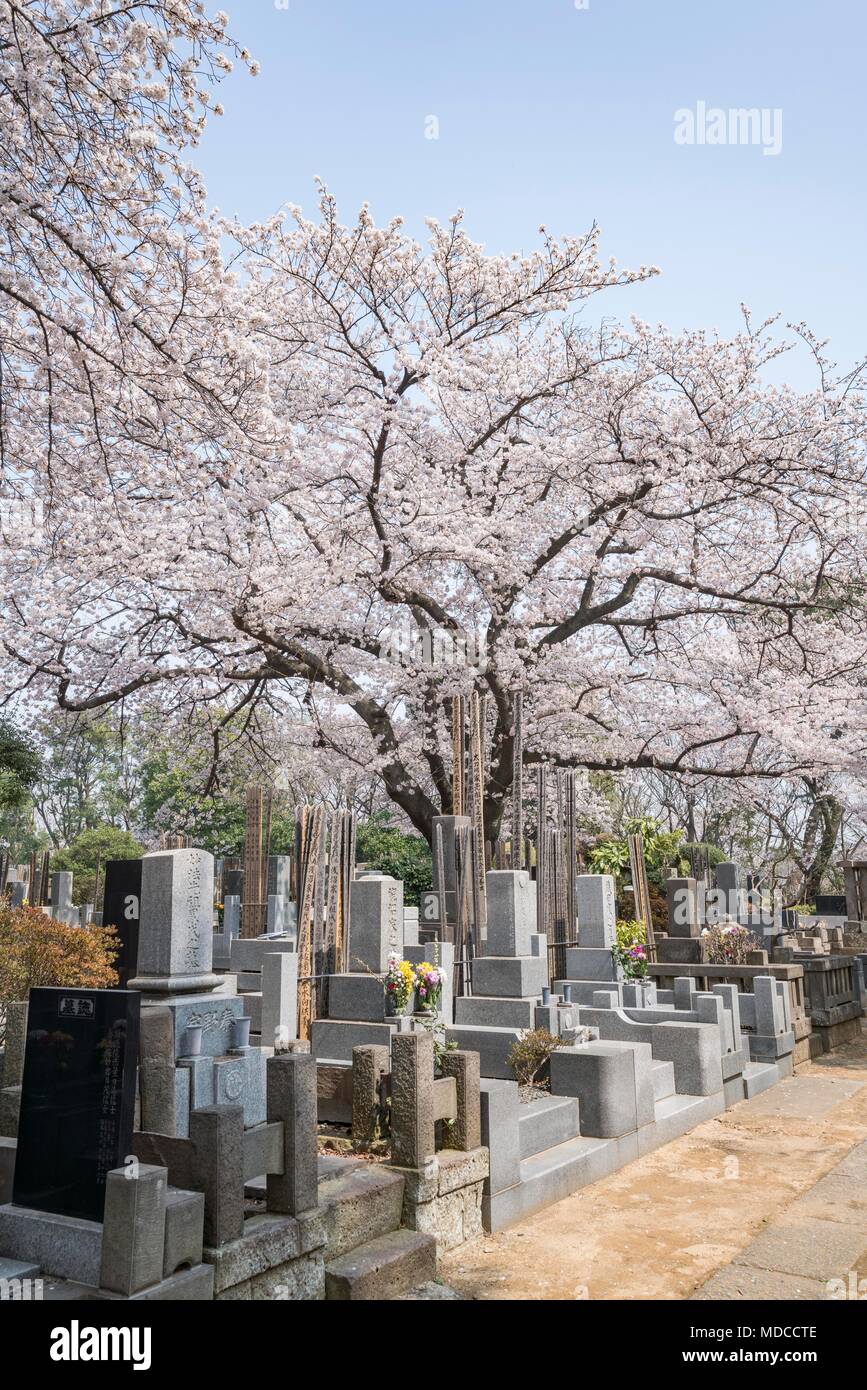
(768, 1200)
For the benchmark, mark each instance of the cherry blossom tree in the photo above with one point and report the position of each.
(112, 287)
(344, 474)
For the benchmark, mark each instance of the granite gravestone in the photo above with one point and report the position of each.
(77, 1098)
(233, 883)
(121, 909)
(831, 904)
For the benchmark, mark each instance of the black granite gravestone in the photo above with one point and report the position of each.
(77, 1098)
(121, 907)
(831, 904)
(233, 883)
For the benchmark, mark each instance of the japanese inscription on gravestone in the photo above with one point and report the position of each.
(77, 1098)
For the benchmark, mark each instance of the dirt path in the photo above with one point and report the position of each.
(662, 1226)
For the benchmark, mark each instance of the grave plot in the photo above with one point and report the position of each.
(825, 988)
(196, 1073)
(219, 1191)
(336, 1005)
(510, 988)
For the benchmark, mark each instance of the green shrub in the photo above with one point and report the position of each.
(388, 850)
(531, 1054)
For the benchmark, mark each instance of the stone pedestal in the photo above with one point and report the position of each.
(591, 963)
(681, 950)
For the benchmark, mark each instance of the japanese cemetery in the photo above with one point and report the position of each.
(432, 745)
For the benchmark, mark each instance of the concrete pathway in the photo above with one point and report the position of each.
(768, 1200)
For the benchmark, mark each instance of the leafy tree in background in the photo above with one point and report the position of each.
(662, 848)
(90, 848)
(89, 777)
(19, 767)
(382, 846)
(173, 800)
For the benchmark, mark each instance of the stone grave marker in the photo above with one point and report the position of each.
(280, 876)
(375, 922)
(77, 1098)
(175, 930)
(233, 883)
(121, 909)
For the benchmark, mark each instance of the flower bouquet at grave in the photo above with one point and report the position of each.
(630, 949)
(428, 987)
(399, 984)
(729, 944)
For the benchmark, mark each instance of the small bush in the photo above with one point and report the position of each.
(36, 950)
(531, 1053)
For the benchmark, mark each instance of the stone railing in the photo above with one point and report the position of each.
(443, 1180)
(283, 1247)
(832, 990)
(707, 975)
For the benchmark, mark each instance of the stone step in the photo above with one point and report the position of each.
(19, 1269)
(758, 1077)
(548, 1177)
(383, 1268)
(677, 1115)
(329, 1166)
(663, 1079)
(360, 1204)
(555, 1173)
(548, 1121)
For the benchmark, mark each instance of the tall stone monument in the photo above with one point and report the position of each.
(175, 928)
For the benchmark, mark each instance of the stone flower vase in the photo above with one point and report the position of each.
(427, 1006)
(193, 1041)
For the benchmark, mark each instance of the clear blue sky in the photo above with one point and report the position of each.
(549, 113)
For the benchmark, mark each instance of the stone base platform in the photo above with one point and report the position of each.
(554, 1173)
